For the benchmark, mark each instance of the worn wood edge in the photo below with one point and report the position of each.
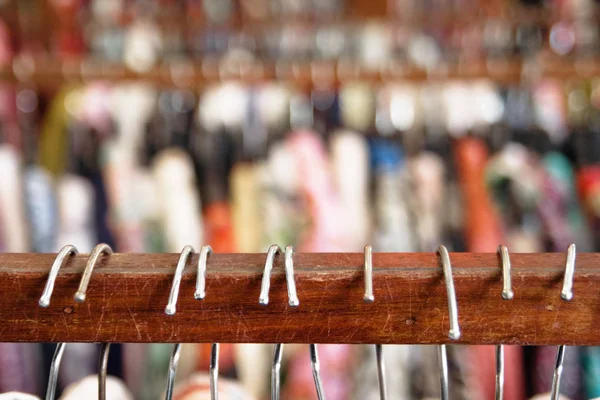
(126, 300)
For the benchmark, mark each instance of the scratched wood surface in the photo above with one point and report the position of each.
(128, 293)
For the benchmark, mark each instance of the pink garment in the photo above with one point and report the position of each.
(197, 387)
(316, 185)
(324, 234)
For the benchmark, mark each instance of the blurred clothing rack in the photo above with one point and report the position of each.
(128, 293)
(303, 74)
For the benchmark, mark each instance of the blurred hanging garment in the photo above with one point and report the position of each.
(283, 213)
(197, 387)
(514, 178)
(179, 200)
(9, 116)
(482, 226)
(483, 233)
(75, 197)
(560, 206)
(19, 367)
(87, 388)
(13, 223)
(588, 187)
(350, 165)
(42, 209)
(245, 198)
(17, 396)
(129, 185)
(392, 231)
(54, 137)
(590, 362)
(427, 177)
(322, 234)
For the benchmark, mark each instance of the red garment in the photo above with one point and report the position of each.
(483, 234)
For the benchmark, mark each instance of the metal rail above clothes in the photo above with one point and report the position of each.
(128, 293)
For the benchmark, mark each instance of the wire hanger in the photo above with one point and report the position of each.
(100, 249)
(200, 294)
(316, 368)
(292, 301)
(566, 294)
(44, 302)
(370, 298)
(170, 309)
(454, 332)
(507, 294)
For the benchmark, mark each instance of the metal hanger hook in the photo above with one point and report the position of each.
(507, 292)
(293, 300)
(102, 248)
(200, 292)
(567, 290)
(266, 278)
(454, 332)
(171, 307)
(60, 259)
(368, 296)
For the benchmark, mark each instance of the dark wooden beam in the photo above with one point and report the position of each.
(128, 293)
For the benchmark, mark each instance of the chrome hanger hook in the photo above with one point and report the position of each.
(214, 371)
(200, 292)
(171, 307)
(266, 278)
(102, 370)
(60, 259)
(507, 294)
(173, 361)
(316, 370)
(100, 249)
(567, 295)
(276, 372)
(454, 332)
(45, 302)
(369, 297)
(293, 300)
(567, 290)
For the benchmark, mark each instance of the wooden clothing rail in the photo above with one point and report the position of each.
(128, 293)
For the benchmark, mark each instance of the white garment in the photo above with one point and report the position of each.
(18, 396)
(87, 388)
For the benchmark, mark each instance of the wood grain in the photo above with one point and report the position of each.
(128, 293)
